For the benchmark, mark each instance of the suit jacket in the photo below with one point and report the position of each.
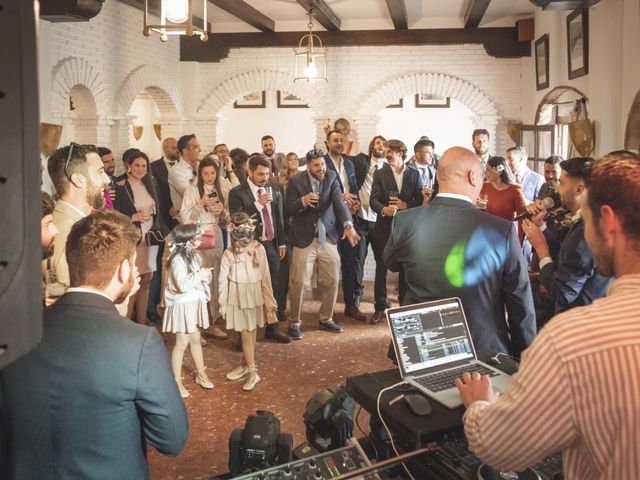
(573, 280)
(125, 204)
(450, 249)
(331, 208)
(160, 172)
(361, 164)
(87, 401)
(384, 182)
(64, 216)
(350, 169)
(241, 200)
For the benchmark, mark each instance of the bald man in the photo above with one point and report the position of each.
(451, 249)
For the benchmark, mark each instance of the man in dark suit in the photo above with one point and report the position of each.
(264, 202)
(276, 159)
(365, 220)
(396, 187)
(450, 249)
(319, 218)
(350, 259)
(160, 171)
(573, 279)
(98, 389)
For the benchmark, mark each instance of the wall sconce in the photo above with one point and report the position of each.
(310, 58)
(176, 18)
(137, 131)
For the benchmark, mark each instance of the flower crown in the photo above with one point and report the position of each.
(190, 245)
(242, 229)
(498, 168)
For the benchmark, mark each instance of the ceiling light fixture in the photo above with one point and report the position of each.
(310, 57)
(176, 18)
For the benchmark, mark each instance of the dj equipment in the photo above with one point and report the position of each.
(451, 459)
(259, 445)
(329, 418)
(324, 465)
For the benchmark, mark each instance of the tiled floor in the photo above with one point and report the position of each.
(290, 375)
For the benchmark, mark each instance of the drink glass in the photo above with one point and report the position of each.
(482, 202)
(269, 191)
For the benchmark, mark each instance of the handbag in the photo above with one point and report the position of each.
(208, 239)
(156, 235)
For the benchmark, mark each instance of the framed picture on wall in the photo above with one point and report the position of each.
(286, 100)
(578, 43)
(251, 100)
(542, 62)
(428, 100)
(398, 104)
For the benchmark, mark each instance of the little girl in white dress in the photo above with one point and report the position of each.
(246, 297)
(185, 296)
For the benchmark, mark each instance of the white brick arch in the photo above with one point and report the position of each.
(148, 77)
(71, 72)
(432, 83)
(258, 80)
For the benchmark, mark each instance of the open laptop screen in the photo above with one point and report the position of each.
(430, 334)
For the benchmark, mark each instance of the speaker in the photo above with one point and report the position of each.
(20, 249)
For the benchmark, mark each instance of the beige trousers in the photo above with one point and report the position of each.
(303, 261)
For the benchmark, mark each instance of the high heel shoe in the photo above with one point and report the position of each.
(203, 380)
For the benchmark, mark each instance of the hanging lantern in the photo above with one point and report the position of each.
(310, 56)
(176, 18)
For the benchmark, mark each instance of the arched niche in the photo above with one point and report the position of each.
(79, 119)
(632, 132)
(561, 99)
(149, 111)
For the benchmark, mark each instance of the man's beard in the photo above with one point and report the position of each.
(124, 292)
(268, 152)
(95, 198)
(481, 150)
(378, 153)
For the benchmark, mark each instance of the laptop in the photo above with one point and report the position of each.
(433, 346)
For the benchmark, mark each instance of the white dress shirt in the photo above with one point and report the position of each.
(181, 175)
(259, 207)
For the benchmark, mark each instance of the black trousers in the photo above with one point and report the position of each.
(380, 286)
(352, 262)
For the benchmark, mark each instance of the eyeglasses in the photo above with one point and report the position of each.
(315, 153)
(72, 145)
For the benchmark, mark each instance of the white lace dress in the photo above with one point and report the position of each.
(186, 295)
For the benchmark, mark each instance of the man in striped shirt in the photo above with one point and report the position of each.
(578, 388)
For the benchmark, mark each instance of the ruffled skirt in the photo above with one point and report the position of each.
(245, 306)
(186, 317)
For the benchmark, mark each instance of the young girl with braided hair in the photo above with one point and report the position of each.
(186, 295)
(246, 297)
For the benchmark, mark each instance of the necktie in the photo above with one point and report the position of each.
(322, 231)
(266, 219)
(425, 177)
(171, 164)
(518, 179)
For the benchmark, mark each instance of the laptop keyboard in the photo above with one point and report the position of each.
(436, 382)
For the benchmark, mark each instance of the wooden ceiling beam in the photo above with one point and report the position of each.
(500, 42)
(323, 13)
(245, 12)
(398, 12)
(475, 11)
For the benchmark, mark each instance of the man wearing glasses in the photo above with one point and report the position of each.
(78, 175)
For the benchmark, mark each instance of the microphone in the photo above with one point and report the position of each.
(547, 202)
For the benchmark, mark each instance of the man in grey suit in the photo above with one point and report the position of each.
(450, 249)
(98, 389)
(319, 219)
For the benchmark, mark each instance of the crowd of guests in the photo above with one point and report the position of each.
(188, 241)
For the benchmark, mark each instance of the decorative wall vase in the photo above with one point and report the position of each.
(158, 129)
(583, 136)
(137, 131)
(513, 129)
(50, 135)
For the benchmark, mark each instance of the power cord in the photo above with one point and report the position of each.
(384, 424)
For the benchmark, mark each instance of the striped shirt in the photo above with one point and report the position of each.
(578, 390)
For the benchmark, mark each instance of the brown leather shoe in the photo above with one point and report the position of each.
(376, 317)
(355, 313)
(273, 332)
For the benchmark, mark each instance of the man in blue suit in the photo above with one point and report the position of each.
(98, 389)
(451, 249)
(319, 219)
(573, 279)
(345, 171)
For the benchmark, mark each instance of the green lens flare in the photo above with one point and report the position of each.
(454, 265)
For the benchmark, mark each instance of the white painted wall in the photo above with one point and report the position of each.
(410, 123)
(292, 128)
(614, 67)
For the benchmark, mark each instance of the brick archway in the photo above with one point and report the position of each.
(255, 81)
(144, 77)
(76, 71)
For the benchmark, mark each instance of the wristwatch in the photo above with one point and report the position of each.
(348, 225)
